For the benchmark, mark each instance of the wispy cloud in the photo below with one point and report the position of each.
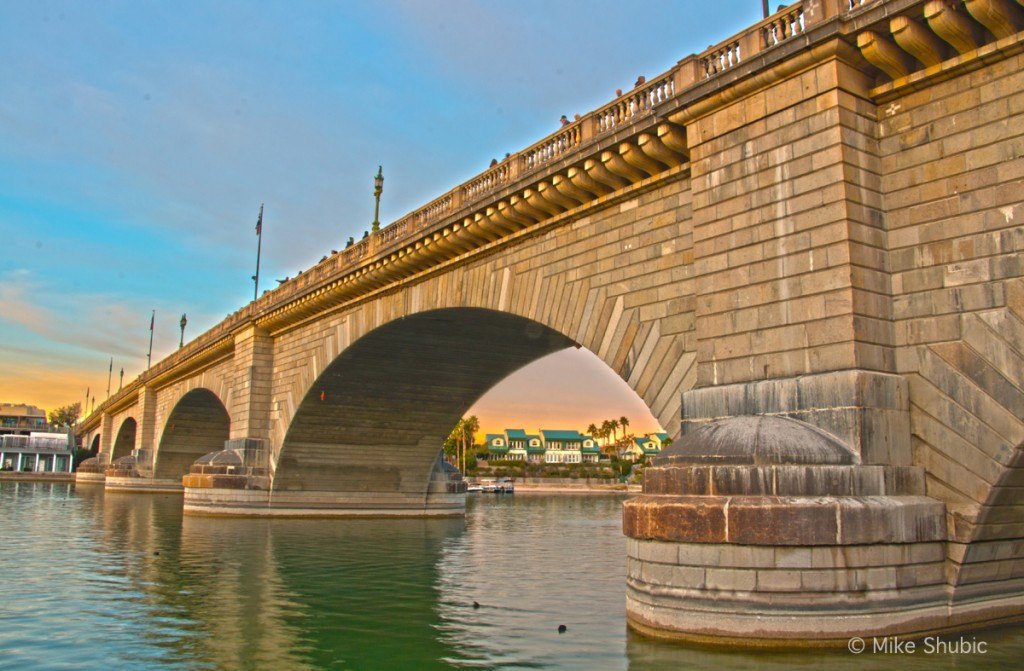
(97, 324)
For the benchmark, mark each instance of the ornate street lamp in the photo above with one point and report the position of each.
(183, 322)
(378, 188)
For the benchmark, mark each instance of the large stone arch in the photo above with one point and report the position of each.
(124, 443)
(94, 444)
(641, 325)
(374, 419)
(198, 424)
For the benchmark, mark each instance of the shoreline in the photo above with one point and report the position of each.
(36, 476)
(585, 489)
(567, 486)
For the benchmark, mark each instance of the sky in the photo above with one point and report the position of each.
(138, 139)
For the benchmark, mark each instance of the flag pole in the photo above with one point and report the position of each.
(149, 355)
(110, 373)
(259, 246)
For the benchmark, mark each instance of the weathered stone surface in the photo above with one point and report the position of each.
(776, 521)
(866, 410)
(690, 519)
(759, 440)
(895, 519)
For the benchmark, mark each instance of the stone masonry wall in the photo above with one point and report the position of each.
(953, 162)
(789, 253)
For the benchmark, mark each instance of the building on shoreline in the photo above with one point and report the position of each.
(20, 419)
(643, 446)
(28, 444)
(550, 446)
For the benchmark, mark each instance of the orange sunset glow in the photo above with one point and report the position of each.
(565, 390)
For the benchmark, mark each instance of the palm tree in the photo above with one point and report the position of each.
(469, 426)
(592, 431)
(615, 425)
(623, 422)
(606, 429)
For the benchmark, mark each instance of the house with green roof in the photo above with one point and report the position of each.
(547, 447)
(511, 445)
(566, 447)
(561, 447)
(660, 439)
(516, 437)
(642, 446)
(534, 450)
(591, 451)
(497, 446)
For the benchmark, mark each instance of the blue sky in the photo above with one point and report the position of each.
(137, 140)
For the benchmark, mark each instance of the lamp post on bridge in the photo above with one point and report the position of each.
(378, 188)
(182, 323)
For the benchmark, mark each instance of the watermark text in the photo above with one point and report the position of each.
(930, 645)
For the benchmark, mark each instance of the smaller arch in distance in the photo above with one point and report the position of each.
(125, 441)
(198, 424)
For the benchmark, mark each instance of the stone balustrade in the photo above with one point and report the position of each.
(631, 105)
(488, 181)
(721, 58)
(782, 26)
(564, 141)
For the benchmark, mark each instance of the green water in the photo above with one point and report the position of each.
(119, 581)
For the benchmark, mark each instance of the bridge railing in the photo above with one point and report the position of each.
(618, 115)
(38, 443)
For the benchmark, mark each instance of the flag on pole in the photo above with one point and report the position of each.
(149, 355)
(259, 246)
(111, 370)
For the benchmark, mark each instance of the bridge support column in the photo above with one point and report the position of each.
(250, 399)
(765, 531)
(92, 471)
(794, 309)
(232, 482)
(235, 482)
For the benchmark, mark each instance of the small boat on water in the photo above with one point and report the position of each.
(492, 486)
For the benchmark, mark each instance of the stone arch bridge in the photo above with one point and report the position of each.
(816, 222)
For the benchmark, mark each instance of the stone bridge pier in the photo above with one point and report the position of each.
(801, 248)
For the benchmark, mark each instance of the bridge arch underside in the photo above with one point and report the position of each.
(125, 441)
(991, 559)
(369, 431)
(94, 446)
(198, 425)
